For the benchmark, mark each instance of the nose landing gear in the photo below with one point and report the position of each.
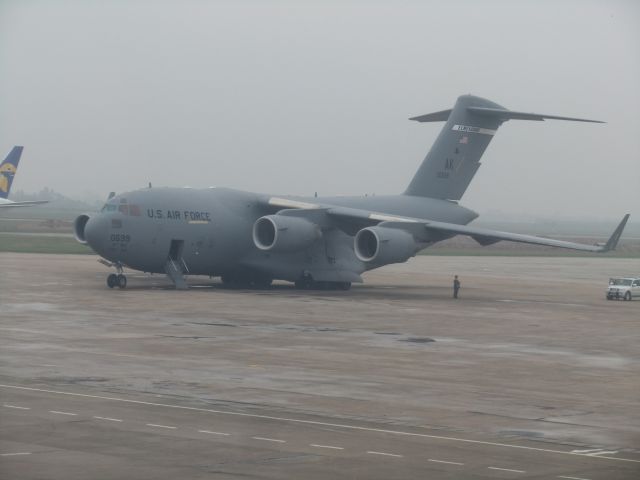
(115, 280)
(118, 280)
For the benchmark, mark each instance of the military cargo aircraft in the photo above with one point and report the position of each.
(8, 170)
(250, 239)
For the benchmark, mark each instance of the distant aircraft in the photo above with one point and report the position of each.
(250, 239)
(8, 169)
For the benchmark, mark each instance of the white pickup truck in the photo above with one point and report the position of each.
(625, 288)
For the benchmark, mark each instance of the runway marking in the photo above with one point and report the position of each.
(326, 446)
(213, 433)
(269, 439)
(573, 478)
(160, 426)
(108, 418)
(444, 461)
(314, 422)
(507, 470)
(385, 454)
(593, 452)
(16, 407)
(63, 413)
(14, 454)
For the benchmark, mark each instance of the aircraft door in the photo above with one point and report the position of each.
(175, 255)
(175, 250)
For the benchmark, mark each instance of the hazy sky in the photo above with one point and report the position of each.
(296, 97)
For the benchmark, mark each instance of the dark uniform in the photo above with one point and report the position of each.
(456, 286)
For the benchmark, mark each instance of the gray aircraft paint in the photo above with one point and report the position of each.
(211, 231)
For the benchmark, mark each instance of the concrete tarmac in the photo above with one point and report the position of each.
(531, 373)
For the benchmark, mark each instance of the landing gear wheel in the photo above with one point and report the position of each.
(112, 280)
(343, 285)
(627, 296)
(122, 281)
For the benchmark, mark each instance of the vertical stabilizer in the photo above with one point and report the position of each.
(8, 170)
(454, 158)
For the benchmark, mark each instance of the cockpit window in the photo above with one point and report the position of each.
(123, 208)
(109, 207)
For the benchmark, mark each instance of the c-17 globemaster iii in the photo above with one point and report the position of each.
(250, 239)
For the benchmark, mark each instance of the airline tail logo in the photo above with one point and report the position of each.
(7, 172)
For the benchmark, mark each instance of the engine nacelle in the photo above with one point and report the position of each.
(382, 245)
(281, 233)
(78, 228)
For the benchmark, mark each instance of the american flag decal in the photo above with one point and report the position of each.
(464, 139)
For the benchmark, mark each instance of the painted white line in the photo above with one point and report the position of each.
(108, 418)
(385, 454)
(63, 413)
(16, 407)
(444, 461)
(213, 433)
(160, 426)
(314, 422)
(603, 452)
(507, 470)
(14, 454)
(326, 446)
(269, 439)
(573, 478)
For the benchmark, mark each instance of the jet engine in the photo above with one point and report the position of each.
(380, 245)
(281, 233)
(78, 228)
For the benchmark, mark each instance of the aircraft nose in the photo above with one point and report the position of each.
(95, 232)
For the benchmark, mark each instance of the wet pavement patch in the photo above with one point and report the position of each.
(190, 337)
(213, 324)
(418, 340)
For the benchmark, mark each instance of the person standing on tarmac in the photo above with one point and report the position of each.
(456, 286)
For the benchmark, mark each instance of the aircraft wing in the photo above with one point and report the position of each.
(351, 220)
(23, 204)
(486, 237)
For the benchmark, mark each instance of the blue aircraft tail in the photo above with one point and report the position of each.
(8, 170)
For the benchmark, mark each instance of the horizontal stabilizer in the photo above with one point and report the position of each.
(30, 203)
(504, 115)
(441, 116)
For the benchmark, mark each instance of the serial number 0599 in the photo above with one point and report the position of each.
(120, 237)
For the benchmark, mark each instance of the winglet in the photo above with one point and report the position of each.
(612, 243)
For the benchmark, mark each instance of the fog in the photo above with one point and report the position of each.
(289, 97)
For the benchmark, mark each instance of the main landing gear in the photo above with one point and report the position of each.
(306, 282)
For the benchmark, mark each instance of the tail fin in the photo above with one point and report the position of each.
(8, 170)
(454, 158)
